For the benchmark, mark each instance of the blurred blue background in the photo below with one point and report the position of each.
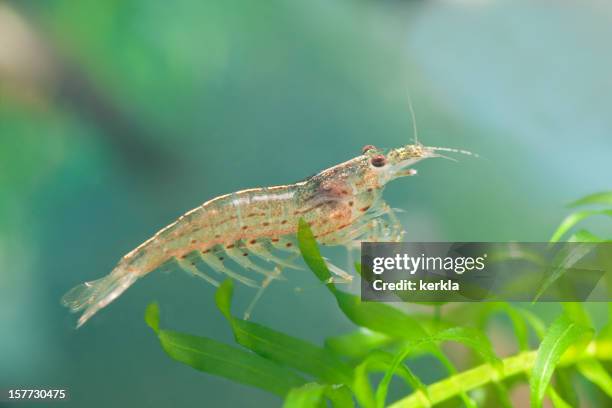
(118, 116)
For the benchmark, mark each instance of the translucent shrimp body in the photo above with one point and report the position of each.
(243, 235)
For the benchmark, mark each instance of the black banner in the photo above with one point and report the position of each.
(486, 272)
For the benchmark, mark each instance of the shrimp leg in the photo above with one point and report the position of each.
(263, 251)
(264, 285)
(377, 230)
(240, 256)
(190, 267)
(374, 228)
(344, 277)
(217, 264)
(278, 269)
(396, 228)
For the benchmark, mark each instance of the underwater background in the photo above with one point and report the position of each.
(118, 116)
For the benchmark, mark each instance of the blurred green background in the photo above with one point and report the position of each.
(118, 116)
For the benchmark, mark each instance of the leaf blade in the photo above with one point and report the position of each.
(597, 374)
(307, 396)
(565, 260)
(212, 357)
(282, 348)
(152, 316)
(559, 336)
(380, 317)
(603, 197)
(574, 218)
(311, 254)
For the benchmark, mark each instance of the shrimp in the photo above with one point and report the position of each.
(342, 204)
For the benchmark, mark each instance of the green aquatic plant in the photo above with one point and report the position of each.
(340, 372)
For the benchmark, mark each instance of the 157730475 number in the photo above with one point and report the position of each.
(32, 394)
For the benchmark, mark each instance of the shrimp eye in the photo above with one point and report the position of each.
(378, 161)
(367, 148)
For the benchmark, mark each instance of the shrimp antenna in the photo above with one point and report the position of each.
(415, 131)
(448, 149)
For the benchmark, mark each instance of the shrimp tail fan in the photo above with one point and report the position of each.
(94, 295)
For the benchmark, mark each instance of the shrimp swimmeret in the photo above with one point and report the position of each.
(342, 204)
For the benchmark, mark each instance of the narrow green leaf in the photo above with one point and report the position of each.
(292, 352)
(235, 364)
(152, 316)
(571, 220)
(556, 399)
(223, 298)
(519, 325)
(282, 348)
(311, 254)
(585, 236)
(606, 332)
(564, 386)
(565, 260)
(597, 374)
(307, 396)
(379, 317)
(577, 313)
(361, 384)
(340, 396)
(560, 335)
(222, 360)
(534, 321)
(604, 197)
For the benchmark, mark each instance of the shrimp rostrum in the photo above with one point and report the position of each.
(252, 233)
